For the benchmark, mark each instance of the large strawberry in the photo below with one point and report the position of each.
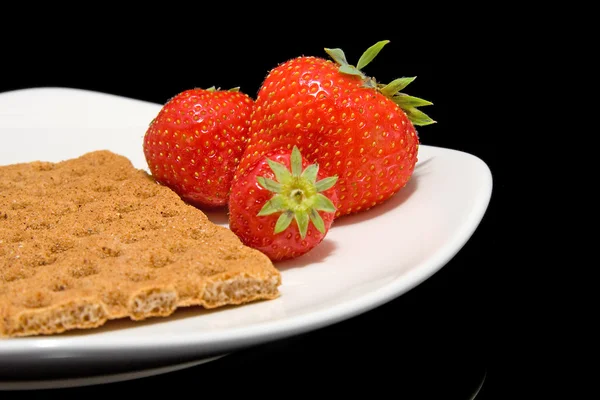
(353, 126)
(281, 205)
(196, 141)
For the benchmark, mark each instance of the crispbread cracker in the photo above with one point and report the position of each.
(91, 239)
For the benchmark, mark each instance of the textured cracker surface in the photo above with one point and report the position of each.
(92, 239)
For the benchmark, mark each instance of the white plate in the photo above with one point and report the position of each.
(366, 260)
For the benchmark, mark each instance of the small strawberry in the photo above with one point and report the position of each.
(196, 141)
(355, 128)
(271, 209)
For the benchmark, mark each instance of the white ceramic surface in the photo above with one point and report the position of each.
(365, 261)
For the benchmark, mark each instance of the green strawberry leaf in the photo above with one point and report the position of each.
(275, 204)
(406, 101)
(297, 195)
(337, 55)
(282, 174)
(392, 90)
(370, 54)
(322, 203)
(283, 221)
(317, 221)
(418, 117)
(296, 161)
(269, 184)
(302, 221)
(351, 70)
(326, 183)
(396, 85)
(310, 173)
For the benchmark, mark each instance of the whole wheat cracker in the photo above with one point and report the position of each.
(92, 239)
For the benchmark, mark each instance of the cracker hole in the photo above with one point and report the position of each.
(129, 238)
(84, 270)
(127, 207)
(140, 276)
(199, 234)
(61, 210)
(169, 213)
(15, 274)
(178, 248)
(39, 261)
(40, 225)
(77, 172)
(152, 224)
(19, 205)
(159, 260)
(104, 188)
(145, 193)
(61, 245)
(110, 252)
(83, 232)
(17, 237)
(37, 300)
(120, 175)
(59, 287)
(84, 199)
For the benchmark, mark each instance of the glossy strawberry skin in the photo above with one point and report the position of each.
(248, 197)
(196, 141)
(351, 131)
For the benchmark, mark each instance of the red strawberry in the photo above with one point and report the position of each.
(196, 141)
(281, 213)
(354, 127)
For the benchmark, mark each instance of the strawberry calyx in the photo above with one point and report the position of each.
(298, 195)
(391, 90)
(216, 89)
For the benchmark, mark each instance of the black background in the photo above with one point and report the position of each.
(438, 340)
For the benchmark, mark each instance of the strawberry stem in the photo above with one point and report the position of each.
(297, 195)
(216, 89)
(408, 104)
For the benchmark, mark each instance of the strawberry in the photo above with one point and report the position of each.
(196, 141)
(355, 128)
(281, 213)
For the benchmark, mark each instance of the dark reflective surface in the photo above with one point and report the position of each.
(436, 341)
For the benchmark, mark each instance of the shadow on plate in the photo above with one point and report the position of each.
(423, 164)
(317, 255)
(395, 201)
(218, 216)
